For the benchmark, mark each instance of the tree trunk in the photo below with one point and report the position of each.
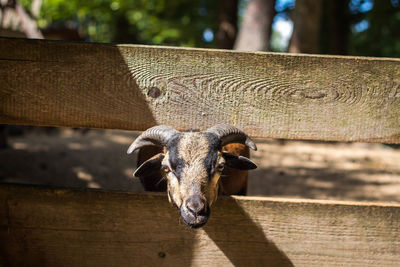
(28, 24)
(335, 27)
(255, 31)
(123, 35)
(306, 19)
(227, 23)
(35, 8)
(16, 14)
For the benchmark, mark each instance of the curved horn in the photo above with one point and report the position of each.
(230, 134)
(154, 136)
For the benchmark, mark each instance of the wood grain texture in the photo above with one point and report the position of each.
(134, 87)
(59, 227)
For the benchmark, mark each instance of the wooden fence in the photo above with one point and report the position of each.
(135, 87)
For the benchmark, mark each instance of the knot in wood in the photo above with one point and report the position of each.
(313, 94)
(154, 92)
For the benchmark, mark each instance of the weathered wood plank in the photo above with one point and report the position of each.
(59, 227)
(134, 87)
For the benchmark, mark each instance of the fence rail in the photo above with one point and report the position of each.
(59, 227)
(134, 87)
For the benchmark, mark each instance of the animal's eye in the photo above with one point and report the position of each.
(220, 166)
(165, 168)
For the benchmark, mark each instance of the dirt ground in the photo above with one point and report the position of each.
(294, 169)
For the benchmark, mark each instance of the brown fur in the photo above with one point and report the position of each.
(151, 182)
(232, 182)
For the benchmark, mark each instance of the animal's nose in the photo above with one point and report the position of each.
(195, 204)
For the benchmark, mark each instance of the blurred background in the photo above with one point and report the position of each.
(345, 27)
(96, 158)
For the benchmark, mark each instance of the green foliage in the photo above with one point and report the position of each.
(276, 42)
(172, 22)
(382, 36)
(182, 23)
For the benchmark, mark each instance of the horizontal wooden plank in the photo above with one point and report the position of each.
(134, 87)
(59, 227)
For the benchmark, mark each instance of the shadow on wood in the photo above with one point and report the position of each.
(59, 227)
(266, 95)
(241, 239)
(70, 85)
(90, 228)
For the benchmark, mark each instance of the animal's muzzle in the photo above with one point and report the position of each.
(195, 212)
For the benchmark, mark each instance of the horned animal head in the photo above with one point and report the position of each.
(192, 163)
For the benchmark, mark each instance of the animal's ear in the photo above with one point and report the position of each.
(238, 162)
(150, 166)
